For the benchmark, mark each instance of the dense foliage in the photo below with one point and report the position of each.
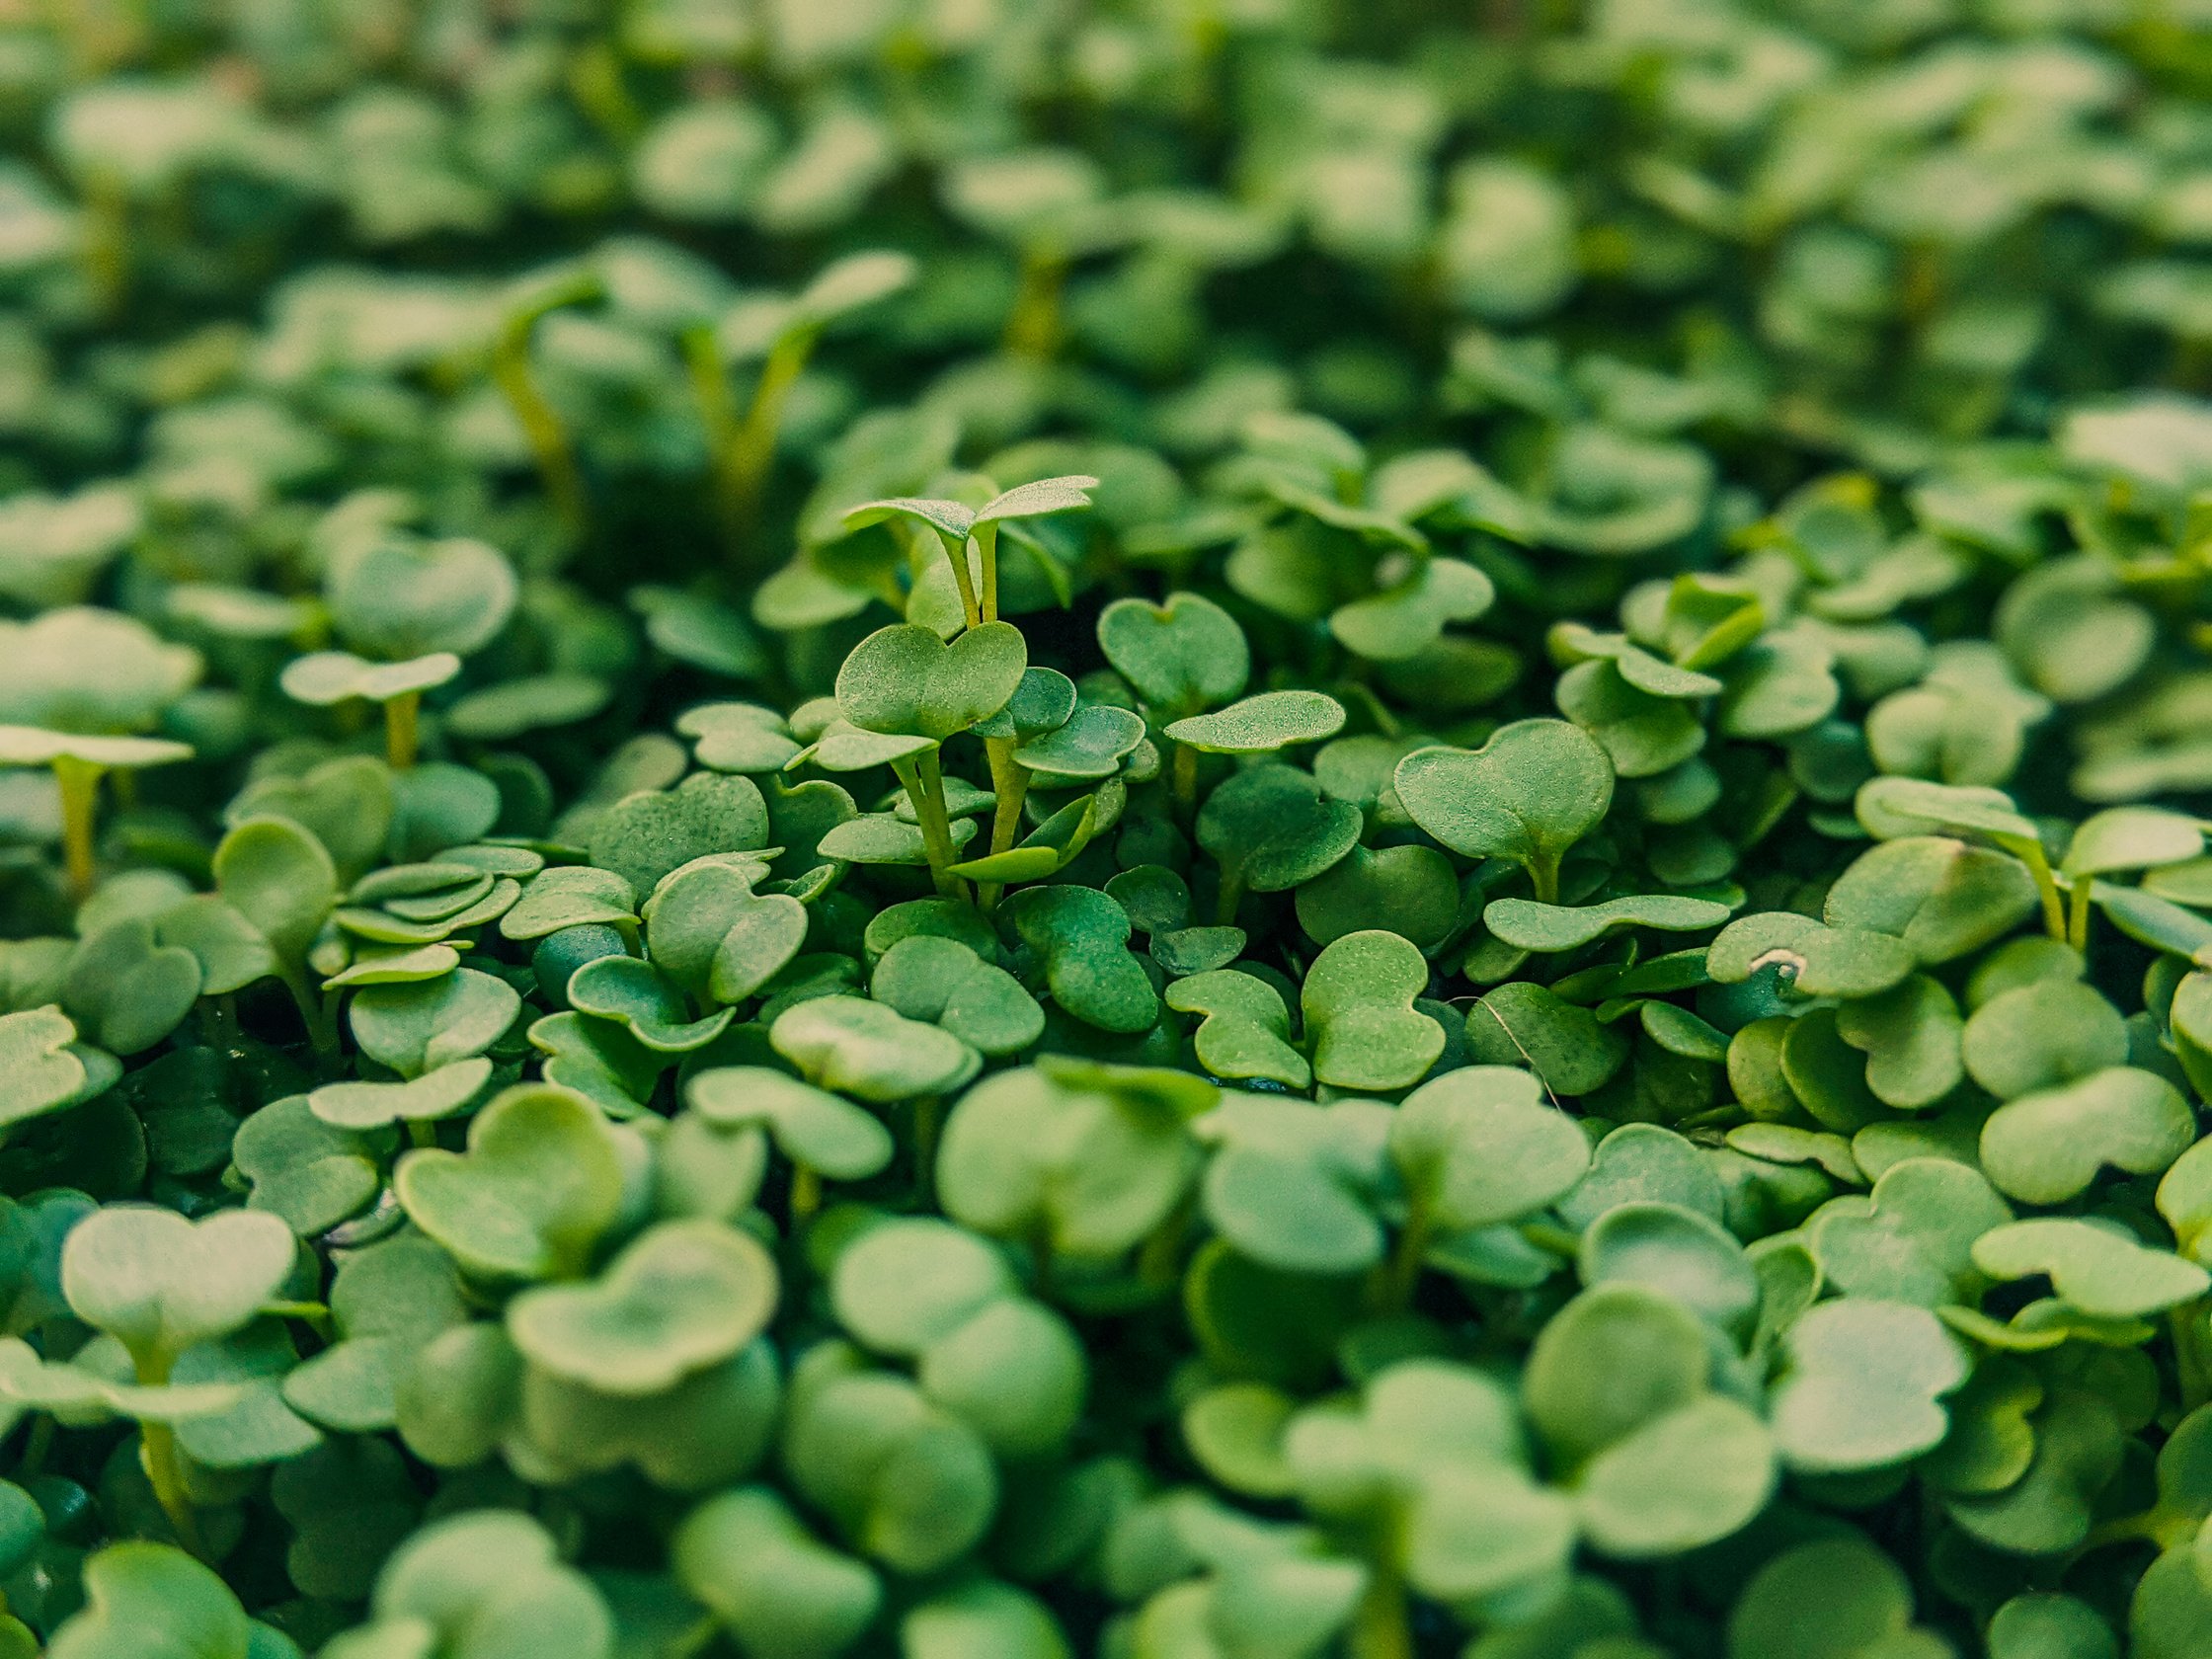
(1172, 829)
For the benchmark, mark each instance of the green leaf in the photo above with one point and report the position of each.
(681, 1296)
(148, 1601)
(2096, 1267)
(159, 1283)
(810, 1125)
(1863, 1387)
(540, 1181)
(1260, 724)
(1181, 656)
(1533, 791)
(868, 1048)
(1528, 925)
(768, 1581)
(1358, 1002)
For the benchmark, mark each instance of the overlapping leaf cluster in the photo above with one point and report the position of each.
(1177, 830)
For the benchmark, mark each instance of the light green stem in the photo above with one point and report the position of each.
(956, 554)
(2046, 888)
(403, 734)
(79, 783)
(924, 785)
(1009, 782)
(986, 550)
(753, 450)
(1402, 1274)
(1033, 326)
(541, 424)
(1183, 780)
(2078, 914)
(164, 1466)
(1381, 1629)
(805, 1194)
(717, 417)
(1544, 873)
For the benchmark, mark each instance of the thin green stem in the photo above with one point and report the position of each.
(1544, 873)
(929, 1122)
(930, 815)
(753, 450)
(1009, 783)
(805, 1194)
(165, 1469)
(2077, 912)
(1183, 780)
(79, 783)
(542, 422)
(1232, 895)
(717, 417)
(1033, 325)
(37, 1446)
(106, 242)
(2046, 888)
(2191, 1327)
(402, 729)
(1401, 1274)
(1381, 1627)
(956, 554)
(319, 1014)
(986, 550)
(420, 1132)
(696, 1641)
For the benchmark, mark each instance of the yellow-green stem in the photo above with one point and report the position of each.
(595, 81)
(986, 551)
(2046, 888)
(106, 243)
(542, 422)
(753, 450)
(1544, 873)
(420, 1132)
(956, 554)
(1402, 1274)
(929, 1117)
(929, 816)
(403, 734)
(79, 783)
(805, 1194)
(1381, 1629)
(164, 1468)
(2078, 914)
(1183, 779)
(717, 417)
(1033, 326)
(1009, 782)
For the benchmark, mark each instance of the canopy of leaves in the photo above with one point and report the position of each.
(1280, 831)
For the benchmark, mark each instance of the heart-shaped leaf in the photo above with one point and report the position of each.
(811, 1127)
(1528, 925)
(1357, 1001)
(1260, 724)
(905, 681)
(868, 1048)
(1181, 656)
(1533, 791)
(159, 1283)
(540, 1181)
(679, 1297)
